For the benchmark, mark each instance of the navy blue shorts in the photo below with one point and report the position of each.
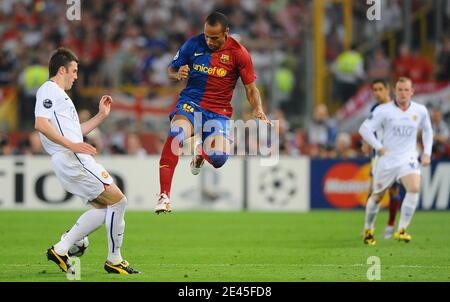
(205, 122)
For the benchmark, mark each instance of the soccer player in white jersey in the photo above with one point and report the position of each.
(62, 137)
(397, 155)
(381, 93)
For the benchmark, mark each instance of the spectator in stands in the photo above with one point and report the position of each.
(321, 131)
(420, 69)
(134, 146)
(379, 66)
(5, 147)
(443, 61)
(348, 71)
(33, 76)
(7, 68)
(344, 148)
(403, 61)
(441, 133)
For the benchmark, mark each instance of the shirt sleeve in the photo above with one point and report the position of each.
(370, 126)
(45, 103)
(245, 65)
(182, 56)
(427, 135)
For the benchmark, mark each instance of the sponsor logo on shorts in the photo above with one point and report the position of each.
(188, 108)
(105, 174)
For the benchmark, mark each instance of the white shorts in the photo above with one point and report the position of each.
(384, 177)
(80, 174)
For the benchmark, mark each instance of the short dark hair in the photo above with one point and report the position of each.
(61, 57)
(218, 18)
(384, 82)
(404, 80)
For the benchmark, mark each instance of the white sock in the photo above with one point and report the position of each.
(409, 206)
(372, 209)
(86, 224)
(115, 227)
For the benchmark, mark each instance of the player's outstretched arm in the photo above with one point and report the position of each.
(44, 126)
(104, 108)
(254, 98)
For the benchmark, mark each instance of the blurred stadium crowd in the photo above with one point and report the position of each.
(131, 42)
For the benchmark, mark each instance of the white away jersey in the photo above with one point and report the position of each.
(53, 103)
(400, 129)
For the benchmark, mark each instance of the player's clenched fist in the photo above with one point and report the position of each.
(183, 72)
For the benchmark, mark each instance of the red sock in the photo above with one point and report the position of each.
(167, 164)
(394, 205)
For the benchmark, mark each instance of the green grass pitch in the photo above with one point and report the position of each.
(211, 246)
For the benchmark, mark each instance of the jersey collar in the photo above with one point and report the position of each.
(404, 110)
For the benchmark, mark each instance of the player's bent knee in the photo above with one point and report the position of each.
(415, 189)
(123, 200)
(218, 160)
(377, 197)
(111, 195)
(177, 132)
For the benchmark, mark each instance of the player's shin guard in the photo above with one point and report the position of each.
(86, 224)
(408, 208)
(115, 227)
(372, 209)
(169, 160)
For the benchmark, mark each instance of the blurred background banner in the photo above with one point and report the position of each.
(294, 184)
(345, 184)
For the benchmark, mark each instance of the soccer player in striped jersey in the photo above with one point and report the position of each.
(211, 62)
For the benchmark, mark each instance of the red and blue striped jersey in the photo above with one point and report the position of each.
(213, 74)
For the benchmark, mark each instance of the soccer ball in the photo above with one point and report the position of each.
(78, 248)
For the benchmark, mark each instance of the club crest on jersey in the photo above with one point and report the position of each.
(48, 103)
(224, 59)
(105, 174)
(188, 108)
(414, 117)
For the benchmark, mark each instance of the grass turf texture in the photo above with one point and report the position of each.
(206, 246)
